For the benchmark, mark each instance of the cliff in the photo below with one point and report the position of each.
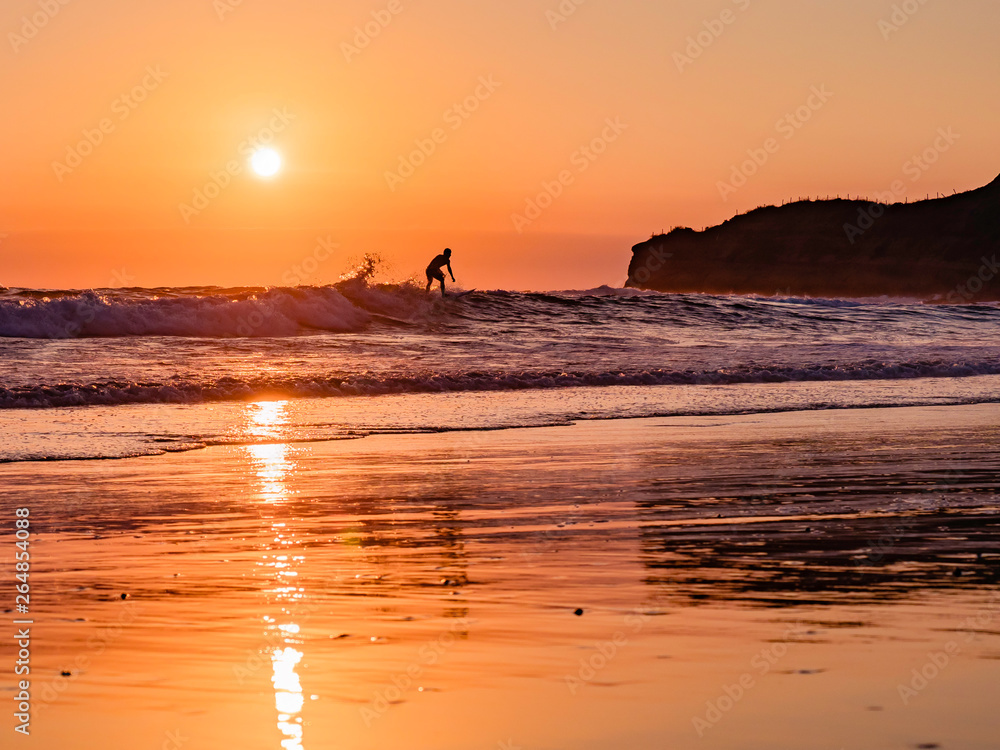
(941, 249)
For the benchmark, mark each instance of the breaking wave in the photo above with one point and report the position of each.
(356, 303)
(219, 314)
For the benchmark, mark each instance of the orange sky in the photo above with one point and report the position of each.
(538, 83)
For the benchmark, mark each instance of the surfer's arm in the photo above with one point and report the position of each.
(450, 272)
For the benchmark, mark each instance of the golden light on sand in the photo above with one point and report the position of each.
(288, 698)
(272, 464)
(266, 162)
(265, 421)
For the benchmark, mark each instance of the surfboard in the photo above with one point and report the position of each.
(461, 294)
(391, 319)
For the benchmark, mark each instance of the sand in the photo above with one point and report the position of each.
(805, 580)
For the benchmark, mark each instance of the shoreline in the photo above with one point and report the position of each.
(177, 426)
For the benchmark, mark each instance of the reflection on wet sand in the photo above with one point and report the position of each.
(288, 696)
(280, 562)
(723, 518)
(859, 526)
(423, 590)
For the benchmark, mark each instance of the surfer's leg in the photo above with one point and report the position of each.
(433, 275)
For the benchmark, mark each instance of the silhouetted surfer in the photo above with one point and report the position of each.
(434, 269)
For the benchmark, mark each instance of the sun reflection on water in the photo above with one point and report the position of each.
(272, 464)
(288, 696)
(266, 417)
(271, 461)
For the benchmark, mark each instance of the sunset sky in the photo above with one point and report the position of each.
(642, 107)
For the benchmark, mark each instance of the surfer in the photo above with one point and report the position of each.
(434, 270)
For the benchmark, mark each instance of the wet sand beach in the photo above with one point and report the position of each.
(808, 580)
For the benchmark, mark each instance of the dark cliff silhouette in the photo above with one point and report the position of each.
(940, 249)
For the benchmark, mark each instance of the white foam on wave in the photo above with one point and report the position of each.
(407, 300)
(353, 303)
(837, 301)
(275, 312)
(609, 291)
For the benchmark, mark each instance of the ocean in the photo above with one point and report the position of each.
(130, 372)
(295, 518)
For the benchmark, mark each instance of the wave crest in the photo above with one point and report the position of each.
(274, 312)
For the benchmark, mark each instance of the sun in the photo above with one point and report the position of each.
(265, 162)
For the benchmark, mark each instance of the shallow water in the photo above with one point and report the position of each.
(149, 429)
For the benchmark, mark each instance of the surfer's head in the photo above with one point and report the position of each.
(447, 251)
